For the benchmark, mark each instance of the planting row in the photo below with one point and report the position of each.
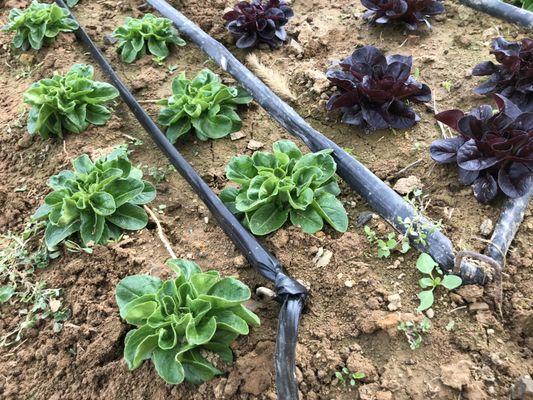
(493, 150)
(95, 202)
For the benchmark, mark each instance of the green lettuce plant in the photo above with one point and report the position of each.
(37, 24)
(68, 103)
(96, 201)
(181, 319)
(285, 183)
(148, 34)
(205, 104)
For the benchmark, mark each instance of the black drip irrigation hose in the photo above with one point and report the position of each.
(510, 218)
(502, 10)
(290, 293)
(385, 201)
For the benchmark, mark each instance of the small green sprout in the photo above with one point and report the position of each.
(387, 245)
(344, 376)
(160, 174)
(447, 85)
(428, 266)
(417, 228)
(415, 332)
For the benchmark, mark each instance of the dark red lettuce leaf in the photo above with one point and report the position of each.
(494, 150)
(374, 90)
(513, 76)
(409, 12)
(258, 22)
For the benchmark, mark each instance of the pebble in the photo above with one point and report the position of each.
(430, 313)
(349, 283)
(523, 389)
(323, 257)
(407, 185)
(296, 47)
(362, 218)
(237, 135)
(109, 40)
(255, 145)
(395, 302)
(486, 227)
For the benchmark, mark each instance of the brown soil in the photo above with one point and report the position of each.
(343, 326)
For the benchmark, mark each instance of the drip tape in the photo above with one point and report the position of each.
(502, 10)
(510, 219)
(290, 293)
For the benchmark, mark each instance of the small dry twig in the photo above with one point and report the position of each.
(160, 232)
(404, 169)
(129, 137)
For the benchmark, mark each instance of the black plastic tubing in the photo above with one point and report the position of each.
(385, 201)
(510, 218)
(502, 10)
(290, 293)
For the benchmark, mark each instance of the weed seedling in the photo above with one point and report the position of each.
(387, 245)
(415, 332)
(160, 174)
(20, 257)
(345, 377)
(417, 228)
(447, 85)
(426, 265)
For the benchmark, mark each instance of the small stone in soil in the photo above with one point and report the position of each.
(255, 145)
(523, 389)
(486, 227)
(407, 185)
(237, 135)
(456, 375)
(109, 40)
(362, 218)
(395, 302)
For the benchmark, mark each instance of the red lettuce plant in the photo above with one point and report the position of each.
(409, 12)
(374, 90)
(256, 22)
(513, 77)
(494, 149)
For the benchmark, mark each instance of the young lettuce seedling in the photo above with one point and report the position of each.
(344, 376)
(97, 200)
(203, 103)
(285, 183)
(71, 102)
(179, 320)
(426, 265)
(38, 24)
(148, 34)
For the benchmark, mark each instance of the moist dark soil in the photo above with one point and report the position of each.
(348, 320)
